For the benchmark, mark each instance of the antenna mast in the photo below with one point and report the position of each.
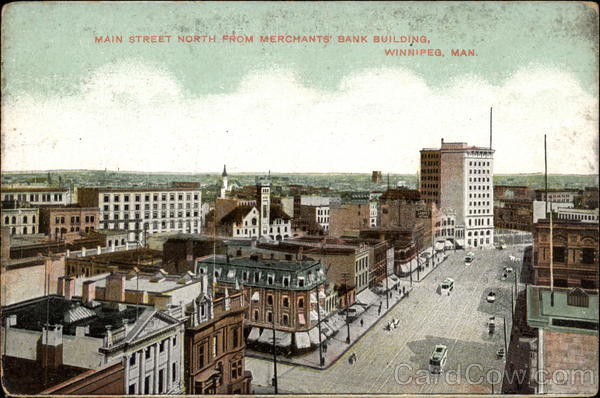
(491, 127)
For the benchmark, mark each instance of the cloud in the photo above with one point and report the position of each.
(137, 116)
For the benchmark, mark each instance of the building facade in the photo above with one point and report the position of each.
(68, 222)
(146, 210)
(22, 220)
(575, 254)
(38, 196)
(460, 177)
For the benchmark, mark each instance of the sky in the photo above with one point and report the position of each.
(71, 103)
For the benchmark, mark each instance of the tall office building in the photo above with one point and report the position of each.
(460, 177)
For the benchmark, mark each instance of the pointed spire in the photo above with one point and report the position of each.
(224, 172)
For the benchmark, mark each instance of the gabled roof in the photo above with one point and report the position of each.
(277, 212)
(237, 214)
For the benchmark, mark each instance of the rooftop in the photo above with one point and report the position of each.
(573, 310)
(54, 310)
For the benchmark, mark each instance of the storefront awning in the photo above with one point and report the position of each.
(391, 282)
(254, 334)
(449, 244)
(439, 246)
(366, 298)
(282, 339)
(302, 340)
(314, 336)
(406, 268)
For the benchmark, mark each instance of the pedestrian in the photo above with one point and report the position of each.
(379, 311)
(325, 348)
(361, 323)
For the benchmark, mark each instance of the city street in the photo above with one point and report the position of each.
(397, 361)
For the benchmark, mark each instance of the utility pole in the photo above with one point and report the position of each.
(321, 359)
(505, 343)
(274, 354)
(345, 277)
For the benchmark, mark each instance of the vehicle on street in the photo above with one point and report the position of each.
(492, 324)
(438, 358)
(500, 353)
(469, 258)
(508, 269)
(504, 276)
(447, 286)
(491, 297)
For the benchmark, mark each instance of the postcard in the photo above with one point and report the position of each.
(299, 198)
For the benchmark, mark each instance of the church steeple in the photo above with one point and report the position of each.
(224, 172)
(224, 185)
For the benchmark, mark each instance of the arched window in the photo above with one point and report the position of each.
(14, 220)
(24, 219)
(24, 230)
(6, 220)
(286, 302)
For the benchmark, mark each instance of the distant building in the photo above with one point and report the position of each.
(558, 195)
(349, 217)
(68, 222)
(376, 176)
(145, 210)
(20, 218)
(460, 177)
(38, 196)
(146, 260)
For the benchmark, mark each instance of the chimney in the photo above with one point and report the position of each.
(115, 288)
(89, 291)
(50, 346)
(126, 326)
(69, 286)
(108, 339)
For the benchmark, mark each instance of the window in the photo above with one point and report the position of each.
(201, 355)
(174, 372)
(147, 385)
(558, 254)
(286, 320)
(132, 359)
(215, 342)
(301, 302)
(269, 317)
(147, 352)
(175, 341)
(587, 256)
(132, 389)
(236, 369)
(162, 345)
(235, 338)
(286, 302)
(269, 299)
(255, 315)
(578, 298)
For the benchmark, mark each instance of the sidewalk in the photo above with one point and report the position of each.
(336, 344)
(418, 276)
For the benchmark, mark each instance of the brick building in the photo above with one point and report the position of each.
(279, 296)
(575, 254)
(349, 217)
(20, 218)
(215, 346)
(68, 222)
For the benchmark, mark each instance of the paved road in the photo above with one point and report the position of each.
(396, 361)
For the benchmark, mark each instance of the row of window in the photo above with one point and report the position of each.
(476, 233)
(148, 385)
(24, 231)
(559, 255)
(155, 197)
(479, 179)
(479, 171)
(209, 349)
(35, 197)
(285, 318)
(487, 241)
(479, 195)
(478, 221)
(479, 187)
(479, 203)
(137, 216)
(154, 206)
(479, 163)
(480, 211)
(14, 219)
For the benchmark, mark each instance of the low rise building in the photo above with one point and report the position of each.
(68, 222)
(38, 196)
(20, 218)
(91, 263)
(566, 321)
(55, 331)
(279, 293)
